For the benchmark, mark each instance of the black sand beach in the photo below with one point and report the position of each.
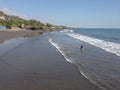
(9, 34)
(36, 65)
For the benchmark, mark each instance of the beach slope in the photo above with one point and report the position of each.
(36, 65)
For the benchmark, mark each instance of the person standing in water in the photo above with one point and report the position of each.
(81, 48)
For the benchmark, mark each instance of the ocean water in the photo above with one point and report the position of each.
(99, 61)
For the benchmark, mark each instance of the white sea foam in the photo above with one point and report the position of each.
(105, 45)
(58, 48)
(71, 30)
(61, 31)
(66, 30)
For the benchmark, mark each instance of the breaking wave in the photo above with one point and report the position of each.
(105, 45)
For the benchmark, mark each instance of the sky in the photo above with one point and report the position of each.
(71, 13)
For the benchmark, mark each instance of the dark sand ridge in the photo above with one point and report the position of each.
(9, 34)
(36, 65)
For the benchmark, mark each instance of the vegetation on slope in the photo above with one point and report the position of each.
(10, 21)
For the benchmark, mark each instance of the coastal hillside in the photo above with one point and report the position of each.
(15, 22)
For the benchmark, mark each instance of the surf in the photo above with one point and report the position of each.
(105, 45)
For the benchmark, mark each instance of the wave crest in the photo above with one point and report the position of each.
(105, 45)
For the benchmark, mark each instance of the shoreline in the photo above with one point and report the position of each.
(81, 73)
(49, 73)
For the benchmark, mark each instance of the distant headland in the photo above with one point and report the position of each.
(16, 23)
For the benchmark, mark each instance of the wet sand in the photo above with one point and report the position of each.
(36, 65)
(9, 34)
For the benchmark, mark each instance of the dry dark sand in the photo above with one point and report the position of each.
(36, 65)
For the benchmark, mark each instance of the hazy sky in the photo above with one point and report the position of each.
(74, 13)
